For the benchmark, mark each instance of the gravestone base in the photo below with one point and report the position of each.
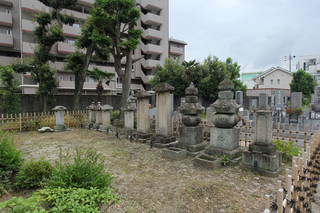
(161, 141)
(104, 128)
(224, 142)
(60, 128)
(142, 137)
(174, 153)
(266, 164)
(263, 148)
(191, 135)
(207, 161)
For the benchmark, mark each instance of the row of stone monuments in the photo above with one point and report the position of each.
(224, 134)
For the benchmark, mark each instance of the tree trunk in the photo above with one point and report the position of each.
(82, 78)
(126, 82)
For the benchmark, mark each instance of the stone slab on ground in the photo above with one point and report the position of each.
(207, 161)
(174, 153)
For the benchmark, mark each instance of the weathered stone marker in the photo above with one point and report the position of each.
(296, 103)
(164, 109)
(239, 97)
(143, 121)
(224, 136)
(191, 134)
(129, 118)
(164, 115)
(59, 114)
(105, 117)
(262, 155)
(92, 113)
(98, 113)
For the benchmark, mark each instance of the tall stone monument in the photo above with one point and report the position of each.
(59, 114)
(143, 120)
(191, 133)
(92, 114)
(262, 155)
(105, 117)
(164, 129)
(224, 136)
(98, 113)
(296, 104)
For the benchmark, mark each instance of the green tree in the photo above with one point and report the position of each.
(206, 76)
(113, 23)
(100, 76)
(305, 83)
(10, 101)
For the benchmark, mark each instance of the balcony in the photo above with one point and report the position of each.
(150, 63)
(28, 26)
(7, 3)
(6, 40)
(151, 49)
(75, 14)
(33, 6)
(57, 65)
(88, 3)
(150, 4)
(6, 19)
(176, 50)
(150, 18)
(151, 33)
(28, 48)
(65, 48)
(71, 31)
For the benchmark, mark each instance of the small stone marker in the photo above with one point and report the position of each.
(296, 100)
(263, 101)
(59, 114)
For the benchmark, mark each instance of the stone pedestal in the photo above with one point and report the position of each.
(129, 119)
(59, 114)
(105, 117)
(224, 142)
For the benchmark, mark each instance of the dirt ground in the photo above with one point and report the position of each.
(146, 182)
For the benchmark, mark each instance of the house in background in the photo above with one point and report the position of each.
(275, 80)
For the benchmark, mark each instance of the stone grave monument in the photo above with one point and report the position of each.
(262, 155)
(224, 136)
(191, 133)
(239, 97)
(92, 115)
(98, 113)
(105, 117)
(296, 104)
(59, 114)
(143, 120)
(164, 130)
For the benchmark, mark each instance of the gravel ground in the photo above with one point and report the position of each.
(146, 182)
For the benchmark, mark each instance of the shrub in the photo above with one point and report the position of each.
(33, 174)
(85, 171)
(57, 200)
(115, 115)
(287, 148)
(10, 158)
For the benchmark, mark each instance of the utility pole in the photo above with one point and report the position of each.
(291, 57)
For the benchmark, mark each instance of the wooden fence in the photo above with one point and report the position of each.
(33, 121)
(296, 194)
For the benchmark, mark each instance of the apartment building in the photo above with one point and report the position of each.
(17, 43)
(177, 49)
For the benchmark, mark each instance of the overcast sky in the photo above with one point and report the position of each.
(255, 33)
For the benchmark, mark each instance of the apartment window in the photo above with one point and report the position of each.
(8, 32)
(76, 25)
(8, 11)
(71, 42)
(278, 81)
(271, 81)
(70, 78)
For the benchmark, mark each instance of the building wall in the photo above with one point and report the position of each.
(154, 47)
(277, 79)
(247, 79)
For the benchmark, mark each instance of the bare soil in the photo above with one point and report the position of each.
(146, 182)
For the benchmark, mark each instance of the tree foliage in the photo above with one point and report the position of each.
(305, 83)
(100, 76)
(113, 30)
(206, 75)
(9, 101)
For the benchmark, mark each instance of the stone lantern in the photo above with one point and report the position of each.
(59, 114)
